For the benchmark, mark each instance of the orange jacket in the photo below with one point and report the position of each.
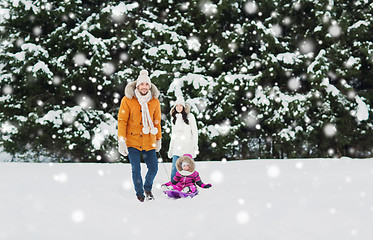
(130, 119)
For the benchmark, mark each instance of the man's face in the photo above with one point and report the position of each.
(143, 88)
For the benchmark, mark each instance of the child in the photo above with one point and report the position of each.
(186, 177)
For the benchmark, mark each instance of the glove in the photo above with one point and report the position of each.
(207, 185)
(122, 147)
(165, 187)
(195, 150)
(169, 154)
(158, 145)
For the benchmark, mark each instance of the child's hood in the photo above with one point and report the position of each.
(185, 159)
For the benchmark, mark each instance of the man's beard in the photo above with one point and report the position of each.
(143, 93)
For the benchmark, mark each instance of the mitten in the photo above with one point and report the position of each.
(122, 147)
(169, 154)
(207, 185)
(166, 187)
(158, 145)
(195, 150)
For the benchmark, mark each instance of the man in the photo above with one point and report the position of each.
(139, 131)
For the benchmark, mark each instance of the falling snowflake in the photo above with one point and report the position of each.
(273, 171)
(216, 176)
(243, 217)
(7, 90)
(335, 30)
(306, 46)
(61, 177)
(68, 118)
(37, 30)
(123, 56)
(294, 84)
(276, 30)
(108, 68)
(209, 8)
(251, 7)
(56, 80)
(194, 44)
(85, 102)
(330, 130)
(251, 119)
(77, 216)
(127, 185)
(80, 59)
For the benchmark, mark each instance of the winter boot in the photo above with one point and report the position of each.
(141, 198)
(186, 190)
(149, 196)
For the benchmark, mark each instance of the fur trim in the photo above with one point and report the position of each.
(185, 159)
(185, 173)
(187, 108)
(129, 90)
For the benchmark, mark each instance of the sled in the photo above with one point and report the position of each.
(177, 194)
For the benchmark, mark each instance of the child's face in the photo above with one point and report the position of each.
(186, 167)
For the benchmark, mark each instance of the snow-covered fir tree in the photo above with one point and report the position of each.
(265, 78)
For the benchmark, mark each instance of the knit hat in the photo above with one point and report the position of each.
(180, 101)
(188, 155)
(143, 78)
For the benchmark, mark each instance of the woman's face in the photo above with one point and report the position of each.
(179, 108)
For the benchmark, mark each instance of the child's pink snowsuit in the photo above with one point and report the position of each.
(184, 178)
(181, 181)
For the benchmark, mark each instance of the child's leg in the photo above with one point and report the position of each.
(193, 188)
(173, 168)
(178, 188)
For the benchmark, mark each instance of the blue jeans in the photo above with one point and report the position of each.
(173, 169)
(150, 158)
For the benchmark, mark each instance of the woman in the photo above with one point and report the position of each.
(184, 135)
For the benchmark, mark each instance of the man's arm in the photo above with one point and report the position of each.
(123, 116)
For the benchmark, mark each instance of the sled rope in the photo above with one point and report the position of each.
(164, 166)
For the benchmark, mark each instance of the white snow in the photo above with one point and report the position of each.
(362, 109)
(255, 199)
(36, 49)
(27, 5)
(357, 25)
(42, 66)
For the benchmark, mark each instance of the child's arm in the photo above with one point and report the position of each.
(203, 185)
(175, 180)
(200, 183)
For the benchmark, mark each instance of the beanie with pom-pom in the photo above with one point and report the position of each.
(143, 78)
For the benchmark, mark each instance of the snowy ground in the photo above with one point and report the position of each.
(259, 199)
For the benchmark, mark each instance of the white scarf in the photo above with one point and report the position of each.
(147, 123)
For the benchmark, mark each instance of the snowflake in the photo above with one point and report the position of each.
(294, 84)
(7, 90)
(108, 68)
(77, 216)
(80, 59)
(85, 102)
(251, 7)
(193, 43)
(335, 30)
(306, 46)
(330, 130)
